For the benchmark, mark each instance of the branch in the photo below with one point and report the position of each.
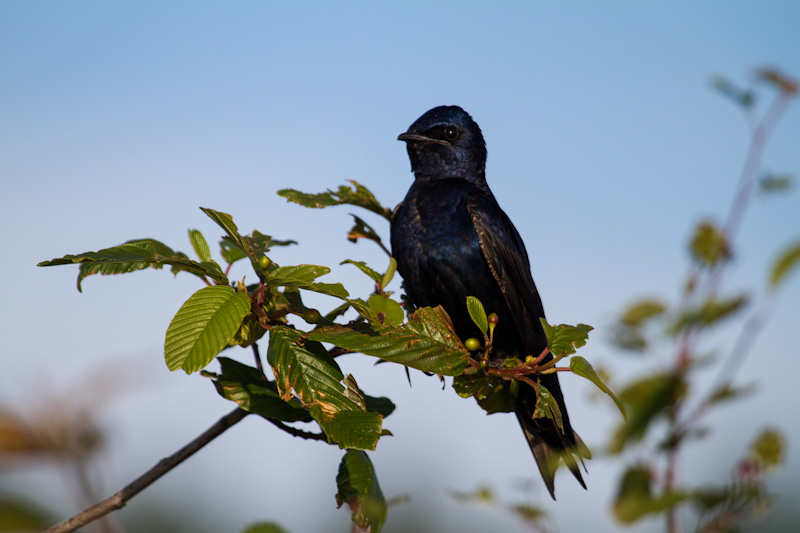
(118, 500)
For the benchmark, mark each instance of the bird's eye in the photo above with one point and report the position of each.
(451, 133)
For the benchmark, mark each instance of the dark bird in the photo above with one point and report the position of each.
(451, 240)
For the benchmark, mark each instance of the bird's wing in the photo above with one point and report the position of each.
(505, 254)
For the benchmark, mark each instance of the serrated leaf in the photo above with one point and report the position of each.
(302, 277)
(635, 500)
(477, 313)
(492, 394)
(137, 255)
(387, 311)
(565, 339)
(645, 399)
(362, 266)
(547, 407)
(253, 392)
(709, 245)
(639, 312)
(199, 245)
(358, 487)
(203, 326)
(583, 368)
(304, 368)
(358, 195)
(427, 342)
(708, 313)
(787, 261)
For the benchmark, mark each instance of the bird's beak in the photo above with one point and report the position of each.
(416, 137)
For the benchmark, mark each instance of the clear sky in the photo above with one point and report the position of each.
(117, 120)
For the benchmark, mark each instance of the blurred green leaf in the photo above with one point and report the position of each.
(775, 78)
(358, 487)
(787, 261)
(482, 494)
(581, 367)
(199, 245)
(264, 527)
(305, 368)
(772, 183)
(709, 245)
(768, 449)
(203, 326)
(17, 515)
(739, 96)
(358, 195)
(707, 314)
(137, 255)
(645, 400)
(641, 311)
(427, 342)
(564, 339)
(477, 313)
(727, 393)
(493, 395)
(362, 266)
(635, 500)
(387, 309)
(547, 407)
(628, 338)
(529, 513)
(253, 392)
(389, 274)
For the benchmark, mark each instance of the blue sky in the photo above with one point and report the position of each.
(118, 120)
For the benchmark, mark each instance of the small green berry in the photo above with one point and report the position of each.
(484, 363)
(472, 344)
(312, 316)
(264, 262)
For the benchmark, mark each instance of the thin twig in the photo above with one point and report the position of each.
(118, 500)
(259, 364)
(294, 432)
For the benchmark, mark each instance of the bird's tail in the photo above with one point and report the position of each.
(548, 443)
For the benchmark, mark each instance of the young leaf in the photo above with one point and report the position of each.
(203, 326)
(362, 266)
(137, 255)
(305, 369)
(253, 392)
(389, 274)
(302, 277)
(358, 196)
(709, 245)
(492, 394)
(200, 245)
(787, 261)
(547, 407)
(768, 449)
(565, 339)
(639, 312)
(386, 308)
(581, 367)
(635, 500)
(707, 314)
(427, 342)
(477, 313)
(357, 486)
(362, 230)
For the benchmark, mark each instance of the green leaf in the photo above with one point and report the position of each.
(639, 312)
(482, 494)
(707, 314)
(769, 449)
(477, 313)
(529, 513)
(381, 404)
(547, 407)
(739, 96)
(203, 326)
(362, 266)
(137, 255)
(787, 261)
(302, 277)
(249, 332)
(709, 245)
(727, 392)
(581, 367)
(389, 274)
(564, 339)
(305, 369)
(775, 78)
(492, 394)
(635, 500)
(253, 392)
(387, 311)
(772, 183)
(358, 195)
(358, 487)
(264, 527)
(200, 245)
(427, 342)
(362, 230)
(645, 399)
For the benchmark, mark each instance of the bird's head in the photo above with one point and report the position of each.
(445, 142)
